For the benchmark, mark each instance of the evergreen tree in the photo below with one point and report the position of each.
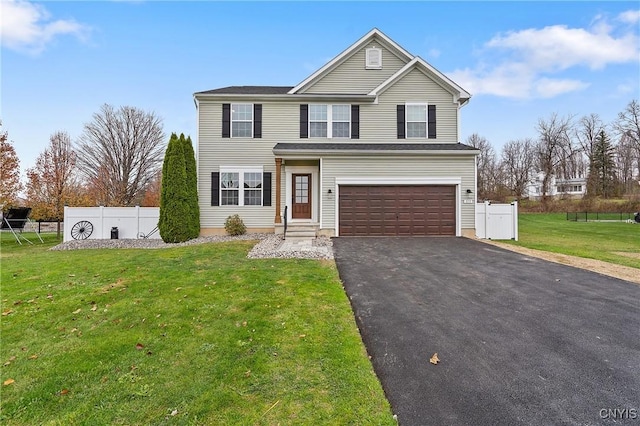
(603, 172)
(193, 221)
(174, 205)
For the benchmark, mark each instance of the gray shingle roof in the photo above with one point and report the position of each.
(303, 146)
(248, 90)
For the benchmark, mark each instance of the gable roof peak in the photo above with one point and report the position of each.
(373, 33)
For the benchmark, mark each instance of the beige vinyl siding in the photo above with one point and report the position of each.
(215, 151)
(351, 77)
(418, 167)
(378, 122)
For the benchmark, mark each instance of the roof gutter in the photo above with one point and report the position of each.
(349, 152)
(287, 98)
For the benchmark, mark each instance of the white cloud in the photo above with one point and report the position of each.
(530, 62)
(29, 28)
(549, 87)
(559, 47)
(434, 53)
(630, 16)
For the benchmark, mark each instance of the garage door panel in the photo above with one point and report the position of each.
(397, 210)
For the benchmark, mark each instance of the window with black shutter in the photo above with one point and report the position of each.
(400, 115)
(226, 120)
(266, 188)
(355, 121)
(215, 188)
(304, 121)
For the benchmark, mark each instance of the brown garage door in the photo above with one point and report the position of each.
(397, 210)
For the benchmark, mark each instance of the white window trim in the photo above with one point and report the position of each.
(241, 171)
(368, 63)
(426, 120)
(329, 122)
(231, 121)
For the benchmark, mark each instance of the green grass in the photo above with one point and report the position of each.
(191, 335)
(595, 240)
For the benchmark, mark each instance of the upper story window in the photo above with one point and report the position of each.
(416, 120)
(241, 120)
(318, 121)
(329, 121)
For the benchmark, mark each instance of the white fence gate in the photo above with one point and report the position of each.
(497, 221)
(96, 222)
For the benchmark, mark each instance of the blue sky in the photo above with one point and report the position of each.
(521, 61)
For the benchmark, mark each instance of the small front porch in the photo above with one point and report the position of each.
(298, 200)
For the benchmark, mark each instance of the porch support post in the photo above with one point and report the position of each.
(278, 186)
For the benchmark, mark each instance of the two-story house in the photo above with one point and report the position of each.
(366, 145)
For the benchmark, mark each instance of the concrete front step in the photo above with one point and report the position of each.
(301, 231)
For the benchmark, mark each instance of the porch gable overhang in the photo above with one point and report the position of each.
(309, 150)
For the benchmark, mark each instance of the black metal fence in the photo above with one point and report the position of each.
(601, 217)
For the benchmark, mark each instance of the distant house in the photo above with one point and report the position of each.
(575, 187)
(366, 145)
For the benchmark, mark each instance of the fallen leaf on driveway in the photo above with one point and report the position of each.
(434, 359)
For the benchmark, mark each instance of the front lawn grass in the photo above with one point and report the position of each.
(607, 241)
(191, 335)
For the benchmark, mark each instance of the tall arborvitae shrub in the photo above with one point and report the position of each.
(193, 221)
(174, 204)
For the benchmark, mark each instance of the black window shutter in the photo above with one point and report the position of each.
(266, 189)
(401, 133)
(304, 121)
(226, 120)
(355, 121)
(257, 120)
(215, 188)
(431, 118)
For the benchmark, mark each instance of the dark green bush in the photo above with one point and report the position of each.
(174, 206)
(234, 225)
(193, 221)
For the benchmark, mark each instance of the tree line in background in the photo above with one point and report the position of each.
(115, 162)
(607, 155)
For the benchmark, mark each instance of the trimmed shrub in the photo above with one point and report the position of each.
(174, 205)
(234, 225)
(193, 221)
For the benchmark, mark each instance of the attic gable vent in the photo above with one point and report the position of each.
(374, 58)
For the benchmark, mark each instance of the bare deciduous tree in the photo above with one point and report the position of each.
(587, 131)
(554, 147)
(628, 123)
(518, 161)
(9, 171)
(120, 152)
(627, 160)
(486, 165)
(51, 183)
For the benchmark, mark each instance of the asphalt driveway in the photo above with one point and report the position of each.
(521, 340)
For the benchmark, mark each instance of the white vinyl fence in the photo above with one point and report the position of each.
(497, 221)
(97, 222)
